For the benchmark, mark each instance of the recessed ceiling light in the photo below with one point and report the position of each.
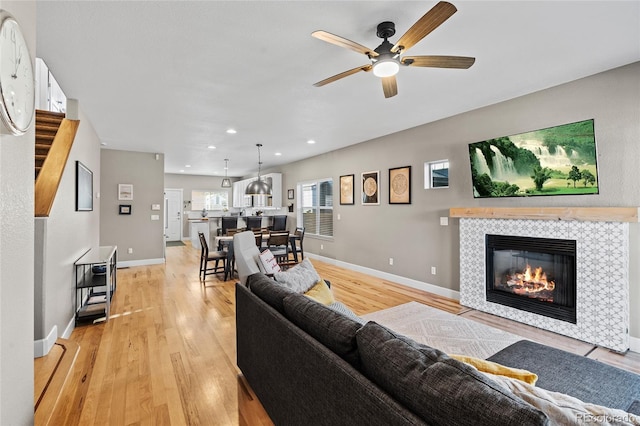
(232, 131)
(103, 144)
(187, 165)
(278, 154)
(181, 171)
(311, 141)
(211, 147)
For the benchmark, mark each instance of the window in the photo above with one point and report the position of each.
(436, 174)
(315, 207)
(209, 200)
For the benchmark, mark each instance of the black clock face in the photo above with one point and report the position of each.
(17, 96)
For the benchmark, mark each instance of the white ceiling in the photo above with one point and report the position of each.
(172, 76)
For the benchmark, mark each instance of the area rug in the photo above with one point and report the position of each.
(450, 333)
(175, 243)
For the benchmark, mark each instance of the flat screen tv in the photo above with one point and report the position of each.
(558, 160)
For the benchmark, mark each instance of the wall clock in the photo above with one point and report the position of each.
(17, 94)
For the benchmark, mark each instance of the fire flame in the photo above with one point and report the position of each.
(531, 282)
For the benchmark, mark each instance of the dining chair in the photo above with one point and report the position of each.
(297, 241)
(279, 223)
(232, 231)
(253, 222)
(227, 222)
(206, 257)
(278, 244)
(258, 236)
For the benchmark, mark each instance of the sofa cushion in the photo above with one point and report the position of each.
(300, 278)
(334, 330)
(268, 290)
(439, 389)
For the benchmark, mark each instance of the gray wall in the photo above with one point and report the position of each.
(369, 235)
(65, 236)
(136, 231)
(190, 182)
(16, 255)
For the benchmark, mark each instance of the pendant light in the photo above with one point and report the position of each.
(226, 182)
(258, 187)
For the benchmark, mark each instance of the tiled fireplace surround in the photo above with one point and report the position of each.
(602, 271)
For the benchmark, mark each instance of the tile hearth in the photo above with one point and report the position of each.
(602, 263)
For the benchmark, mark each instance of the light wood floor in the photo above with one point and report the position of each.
(167, 356)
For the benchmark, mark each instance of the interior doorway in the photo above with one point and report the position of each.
(173, 214)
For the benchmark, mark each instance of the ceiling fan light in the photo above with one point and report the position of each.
(386, 67)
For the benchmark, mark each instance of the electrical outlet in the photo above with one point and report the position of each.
(391, 261)
(321, 246)
(433, 270)
(130, 250)
(338, 216)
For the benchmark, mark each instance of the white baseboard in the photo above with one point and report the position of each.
(431, 288)
(43, 346)
(69, 329)
(142, 262)
(634, 344)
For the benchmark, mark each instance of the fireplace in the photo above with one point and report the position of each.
(536, 275)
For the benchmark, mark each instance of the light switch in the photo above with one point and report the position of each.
(155, 206)
(444, 221)
(155, 217)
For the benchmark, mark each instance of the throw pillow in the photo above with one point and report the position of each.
(439, 389)
(269, 262)
(498, 369)
(334, 330)
(321, 293)
(300, 278)
(563, 409)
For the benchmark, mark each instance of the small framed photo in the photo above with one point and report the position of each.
(400, 185)
(290, 194)
(346, 189)
(125, 191)
(124, 209)
(371, 188)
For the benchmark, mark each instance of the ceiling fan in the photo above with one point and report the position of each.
(386, 60)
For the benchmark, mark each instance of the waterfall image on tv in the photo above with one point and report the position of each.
(558, 160)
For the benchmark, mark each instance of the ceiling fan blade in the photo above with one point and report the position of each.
(389, 86)
(365, 68)
(429, 22)
(463, 62)
(343, 42)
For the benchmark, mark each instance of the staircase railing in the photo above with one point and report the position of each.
(53, 161)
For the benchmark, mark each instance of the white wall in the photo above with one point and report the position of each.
(16, 255)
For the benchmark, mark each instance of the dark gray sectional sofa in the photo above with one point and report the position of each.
(310, 365)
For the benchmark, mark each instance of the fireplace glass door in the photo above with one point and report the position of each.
(537, 275)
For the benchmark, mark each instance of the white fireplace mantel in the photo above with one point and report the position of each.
(602, 265)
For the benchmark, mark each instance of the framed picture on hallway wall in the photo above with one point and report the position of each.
(125, 191)
(400, 185)
(346, 189)
(371, 188)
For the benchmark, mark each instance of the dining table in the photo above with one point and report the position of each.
(222, 240)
